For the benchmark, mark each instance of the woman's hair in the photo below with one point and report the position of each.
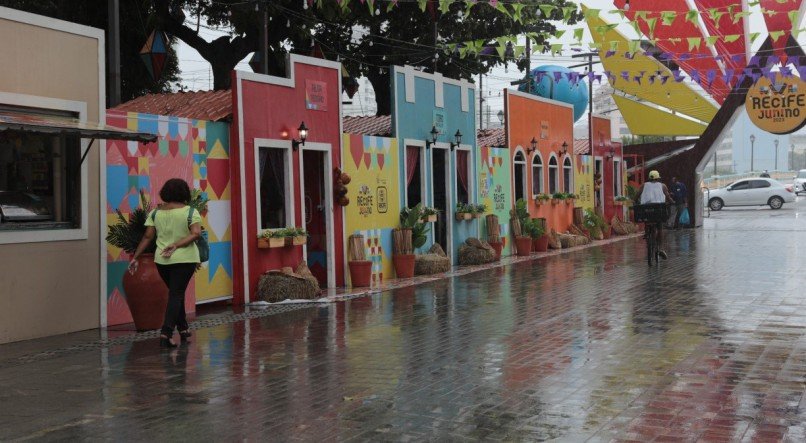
(175, 190)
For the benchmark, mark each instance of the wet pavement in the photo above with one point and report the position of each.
(589, 345)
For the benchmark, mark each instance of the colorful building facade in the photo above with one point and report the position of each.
(373, 164)
(548, 168)
(196, 151)
(438, 173)
(280, 182)
(609, 167)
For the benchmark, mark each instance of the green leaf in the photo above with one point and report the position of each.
(547, 10)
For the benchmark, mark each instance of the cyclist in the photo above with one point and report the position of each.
(654, 191)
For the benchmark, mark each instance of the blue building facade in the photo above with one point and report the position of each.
(439, 174)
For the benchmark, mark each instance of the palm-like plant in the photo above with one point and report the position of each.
(126, 234)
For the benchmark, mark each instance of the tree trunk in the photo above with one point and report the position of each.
(382, 85)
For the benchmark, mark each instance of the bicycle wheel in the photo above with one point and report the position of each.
(650, 244)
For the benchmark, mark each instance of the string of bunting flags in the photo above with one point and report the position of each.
(731, 76)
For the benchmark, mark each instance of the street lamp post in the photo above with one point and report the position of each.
(776, 153)
(752, 141)
(792, 157)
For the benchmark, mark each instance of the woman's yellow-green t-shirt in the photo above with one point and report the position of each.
(172, 226)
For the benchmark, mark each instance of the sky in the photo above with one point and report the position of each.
(196, 74)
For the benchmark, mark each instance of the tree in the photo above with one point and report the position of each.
(366, 37)
(134, 26)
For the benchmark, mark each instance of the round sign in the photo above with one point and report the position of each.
(780, 107)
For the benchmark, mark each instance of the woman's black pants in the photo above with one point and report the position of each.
(176, 277)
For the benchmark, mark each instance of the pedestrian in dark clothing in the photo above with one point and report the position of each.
(680, 196)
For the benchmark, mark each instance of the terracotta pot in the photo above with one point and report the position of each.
(498, 247)
(360, 273)
(404, 265)
(541, 244)
(430, 218)
(146, 294)
(524, 245)
(606, 232)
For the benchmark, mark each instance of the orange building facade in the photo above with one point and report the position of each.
(540, 136)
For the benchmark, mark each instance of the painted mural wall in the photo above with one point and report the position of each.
(196, 151)
(495, 190)
(374, 209)
(422, 101)
(550, 123)
(583, 180)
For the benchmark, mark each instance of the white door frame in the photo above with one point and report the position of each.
(600, 162)
(329, 228)
(421, 145)
(448, 194)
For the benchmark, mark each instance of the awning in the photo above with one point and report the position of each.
(55, 125)
(661, 158)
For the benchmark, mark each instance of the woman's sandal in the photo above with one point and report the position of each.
(166, 342)
(184, 335)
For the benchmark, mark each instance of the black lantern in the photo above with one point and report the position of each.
(458, 138)
(564, 149)
(533, 148)
(303, 135)
(434, 134)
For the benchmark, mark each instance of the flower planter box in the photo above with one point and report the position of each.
(430, 218)
(271, 242)
(555, 201)
(478, 215)
(296, 241)
(540, 201)
(569, 201)
(463, 216)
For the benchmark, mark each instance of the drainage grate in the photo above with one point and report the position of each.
(210, 322)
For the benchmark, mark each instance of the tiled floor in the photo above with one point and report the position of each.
(589, 345)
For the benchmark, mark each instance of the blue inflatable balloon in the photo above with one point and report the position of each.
(545, 85)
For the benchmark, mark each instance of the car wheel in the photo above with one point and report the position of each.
(776, 202)
(716, 204)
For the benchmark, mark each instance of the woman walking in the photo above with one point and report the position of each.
(176, 226)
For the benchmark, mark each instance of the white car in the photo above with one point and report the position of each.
(800, 182)
(754, 191)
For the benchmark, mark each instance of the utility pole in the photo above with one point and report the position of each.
(481, 102)
(264, 38)
(113, 52)
(776, 153)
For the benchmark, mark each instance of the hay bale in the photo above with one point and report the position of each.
(278, 285)
(475, 252)
(571, 240)
(596, 233)
(618, 227)
(554, 240)
(433, 262)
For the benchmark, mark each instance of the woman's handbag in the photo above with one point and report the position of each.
(201, 242)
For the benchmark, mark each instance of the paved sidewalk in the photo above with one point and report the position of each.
(592, 344)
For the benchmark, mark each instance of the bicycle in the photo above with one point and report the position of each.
(653, 215)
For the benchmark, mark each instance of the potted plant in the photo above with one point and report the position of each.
(295, 236)
(464, 211)
(272, 238)
(622, 200)
(540, 241)
(146, 294)
(430, 214)
(360, 267)
(542, 198)
(412, 234)
(557, 197)
(594, 223)
(523, 243)
(570, 197)
(478, 210)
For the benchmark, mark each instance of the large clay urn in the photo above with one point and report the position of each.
(146, 294)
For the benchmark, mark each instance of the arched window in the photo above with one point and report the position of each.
(520, 176)
(554, 175)
(537, 174)
(568, 175)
